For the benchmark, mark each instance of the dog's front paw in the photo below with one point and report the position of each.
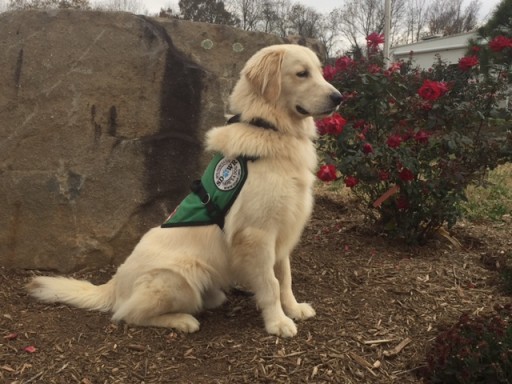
(185, 323)
(284, 327)
(300, 311)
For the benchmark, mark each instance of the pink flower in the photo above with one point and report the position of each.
(374, 39)
(432, 90)
(374, 68)
(394, 141)
(422, 137)
(367, 148)
(329, 72)
(343, 63)
(331, 125)
(394, 67)
(327, 172)
(468, 62)
(499, 43)
(351, 181)
(406, 175)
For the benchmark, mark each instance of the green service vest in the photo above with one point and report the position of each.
(212, 196)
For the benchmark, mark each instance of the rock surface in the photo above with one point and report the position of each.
(102, 117)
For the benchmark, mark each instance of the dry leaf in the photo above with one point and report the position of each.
(11, 336)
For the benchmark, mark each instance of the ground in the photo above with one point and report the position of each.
(371, 295)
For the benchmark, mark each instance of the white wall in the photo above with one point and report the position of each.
(451, 49)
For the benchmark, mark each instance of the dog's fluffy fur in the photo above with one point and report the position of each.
(175, 272)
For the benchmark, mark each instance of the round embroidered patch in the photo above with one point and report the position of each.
(227, 174)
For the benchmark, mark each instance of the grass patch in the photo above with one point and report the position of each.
(336, 188)
(492, 200)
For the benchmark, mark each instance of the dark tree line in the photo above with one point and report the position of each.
(351, 23)
(208, 11)
(344, 28)
(43, 4)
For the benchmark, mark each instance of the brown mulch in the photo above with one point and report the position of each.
(379, 305)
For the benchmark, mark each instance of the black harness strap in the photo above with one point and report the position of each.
(198, 188)
(257, 122)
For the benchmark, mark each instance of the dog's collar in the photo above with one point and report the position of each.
(257, 122)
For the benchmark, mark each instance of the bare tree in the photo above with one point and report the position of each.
(268, 17)
(208, 11)
(447, 17)
(416, 21)
(170, 10)
(398, 19)
(410, 19)
(359, 18)
(281, 12)
(329, 31)
(304, 21)
(248, 12)
(470, 16)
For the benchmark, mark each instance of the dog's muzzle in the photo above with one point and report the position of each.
(335, 100)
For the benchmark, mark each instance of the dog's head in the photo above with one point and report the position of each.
(287, 77)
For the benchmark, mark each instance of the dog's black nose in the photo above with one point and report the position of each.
(336, 98)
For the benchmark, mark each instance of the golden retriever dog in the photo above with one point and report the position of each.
(174, 273)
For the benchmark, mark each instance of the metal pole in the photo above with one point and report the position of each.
(387, 35)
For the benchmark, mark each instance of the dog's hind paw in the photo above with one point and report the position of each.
(300, 311)
(284, 327)
(213, 299)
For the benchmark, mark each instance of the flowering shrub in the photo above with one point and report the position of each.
(408, 141)
(468, 62)
(327, 172)
(500, 43)
(474, 350)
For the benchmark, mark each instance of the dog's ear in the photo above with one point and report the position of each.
(264, 74)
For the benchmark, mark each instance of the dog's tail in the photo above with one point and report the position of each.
(78, 293)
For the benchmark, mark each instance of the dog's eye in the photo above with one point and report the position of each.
(303, 74)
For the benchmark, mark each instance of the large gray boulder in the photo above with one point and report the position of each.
(102, 117)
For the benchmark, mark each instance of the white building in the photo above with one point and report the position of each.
(451, 49)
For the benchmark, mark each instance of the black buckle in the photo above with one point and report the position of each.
(213, 210)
